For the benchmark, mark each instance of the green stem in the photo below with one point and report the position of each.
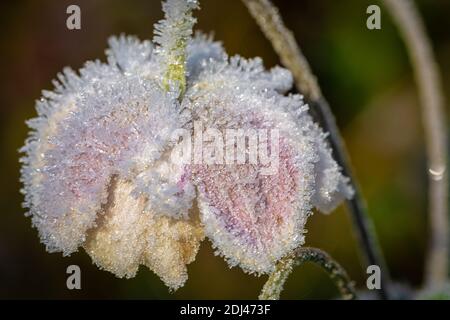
(172, 34)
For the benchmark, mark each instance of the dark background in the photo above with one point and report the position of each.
(364, 74)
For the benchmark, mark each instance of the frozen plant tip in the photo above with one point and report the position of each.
(99, 171)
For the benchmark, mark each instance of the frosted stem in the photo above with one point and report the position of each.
(274, 285)
(172, 35)
(283, 41)
(426, 70)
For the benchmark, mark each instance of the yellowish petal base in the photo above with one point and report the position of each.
(127, 236)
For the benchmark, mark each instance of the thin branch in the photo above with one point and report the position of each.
(274, 285)
(426, 70)
(283, 41)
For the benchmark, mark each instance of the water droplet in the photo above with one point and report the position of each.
(437, 173)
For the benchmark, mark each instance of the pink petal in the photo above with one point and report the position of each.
(252, 219)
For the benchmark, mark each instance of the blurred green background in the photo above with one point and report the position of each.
(364, 74)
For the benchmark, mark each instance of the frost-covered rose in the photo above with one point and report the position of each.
(99, 173)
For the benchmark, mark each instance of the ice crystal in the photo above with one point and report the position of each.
(98, 171)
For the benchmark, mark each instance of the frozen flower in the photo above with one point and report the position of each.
(99, 174)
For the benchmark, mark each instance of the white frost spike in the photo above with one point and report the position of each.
(130, 54)
(202, 50)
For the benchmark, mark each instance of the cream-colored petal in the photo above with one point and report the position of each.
(118, 241)
(127, 236)
(172, 245)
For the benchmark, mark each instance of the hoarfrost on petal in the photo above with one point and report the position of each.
(167, 187)
(255, 219)
(251, 217)
(331, 186)
(201, 51)
(172, 244)
(96, 125)
(131, 55)
(118, 240)
(127, 236)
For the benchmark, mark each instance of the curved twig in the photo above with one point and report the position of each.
(274, 285)
(412, 29)
(283, 41)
